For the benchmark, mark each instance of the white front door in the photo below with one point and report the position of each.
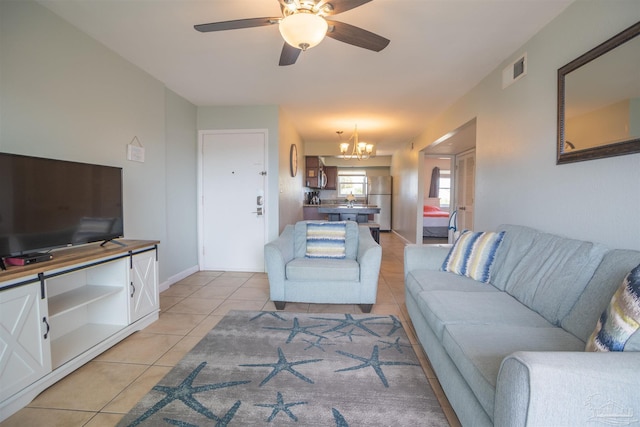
(465, 189)
(232, 186)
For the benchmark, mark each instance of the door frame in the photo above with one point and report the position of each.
(200, 172)
(456, 185)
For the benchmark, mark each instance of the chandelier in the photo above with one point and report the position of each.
(361, 150)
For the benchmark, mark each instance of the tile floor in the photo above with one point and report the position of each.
(103, 390)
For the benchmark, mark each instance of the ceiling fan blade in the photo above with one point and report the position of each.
(236, 24)
(289, 55)
(356, 36)
(339, 6)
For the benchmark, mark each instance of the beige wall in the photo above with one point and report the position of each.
(291, 192)
(603, 126)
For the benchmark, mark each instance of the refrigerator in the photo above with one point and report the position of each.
(379, 194)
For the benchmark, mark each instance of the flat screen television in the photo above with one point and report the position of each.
(46, 204)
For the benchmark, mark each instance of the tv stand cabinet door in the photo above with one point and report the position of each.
(24, 338)
(144, 297)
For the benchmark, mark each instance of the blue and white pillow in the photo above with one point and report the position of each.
(472, 255)
(621, 319)
(326, 239)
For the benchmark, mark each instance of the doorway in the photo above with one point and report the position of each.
(232, 210)
(458, 146)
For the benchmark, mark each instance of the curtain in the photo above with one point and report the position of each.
(434, 188)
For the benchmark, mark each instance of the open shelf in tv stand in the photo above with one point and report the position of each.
(72, 308)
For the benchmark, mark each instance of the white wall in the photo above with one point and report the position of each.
(181, 144)
(517, 178)
(65, 96)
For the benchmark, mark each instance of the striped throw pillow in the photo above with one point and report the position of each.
(326, 239)
(621, 319)
(472, 255)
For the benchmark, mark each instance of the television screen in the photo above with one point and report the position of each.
(46, 203)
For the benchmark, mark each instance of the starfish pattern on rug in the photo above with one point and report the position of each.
(317, 344)
(349, 334)
(283, 365)
(350, 321)
(396, 344)
(340, 421)
(395, 326)
(297, 329)
(184, 392)
(268, 313)
(374, 362)
(280, 406)
(221, 422)
(178, 423)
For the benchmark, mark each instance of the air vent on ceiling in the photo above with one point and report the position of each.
(514, 71)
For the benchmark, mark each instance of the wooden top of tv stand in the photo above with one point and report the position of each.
(74, 255)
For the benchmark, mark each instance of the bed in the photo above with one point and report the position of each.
(435, 222)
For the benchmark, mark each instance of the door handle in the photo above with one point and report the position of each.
(258, 212)
(46, 334)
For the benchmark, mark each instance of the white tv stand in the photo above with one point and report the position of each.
(57, 315)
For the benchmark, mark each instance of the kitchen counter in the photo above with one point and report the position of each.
(361, 209)
(358, 213)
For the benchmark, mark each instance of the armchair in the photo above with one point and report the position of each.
(294, 276)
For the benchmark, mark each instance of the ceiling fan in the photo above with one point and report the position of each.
(303, 24)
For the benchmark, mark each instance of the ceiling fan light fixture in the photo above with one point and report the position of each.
(303, 30)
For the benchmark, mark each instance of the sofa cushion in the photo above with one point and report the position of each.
(478, 350)
(621, 319)
(326, 240)
(584, 315)
(319, 269)
(515, 244)
(443, 308)
(553, 273)
(472, 255)
(430, 280)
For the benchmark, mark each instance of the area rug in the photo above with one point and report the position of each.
(279, 368)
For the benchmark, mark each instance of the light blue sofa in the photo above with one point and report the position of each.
(295, 278)
(511, 352)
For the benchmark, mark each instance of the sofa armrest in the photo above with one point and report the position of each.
(420, 257)
(568, 388)
(277, 254)
(369, 257)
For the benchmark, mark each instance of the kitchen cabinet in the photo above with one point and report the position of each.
(313, 171)
(311, 212)
(332, 177)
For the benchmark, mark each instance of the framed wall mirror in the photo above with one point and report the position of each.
(599, 101)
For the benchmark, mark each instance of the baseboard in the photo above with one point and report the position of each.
(402, 237)
(177, 277)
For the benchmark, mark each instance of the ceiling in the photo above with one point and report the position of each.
(439, 50)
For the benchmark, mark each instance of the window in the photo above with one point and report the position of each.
(352, 182)
(445, 188)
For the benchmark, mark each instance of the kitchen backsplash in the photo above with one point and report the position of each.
(330, 197)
